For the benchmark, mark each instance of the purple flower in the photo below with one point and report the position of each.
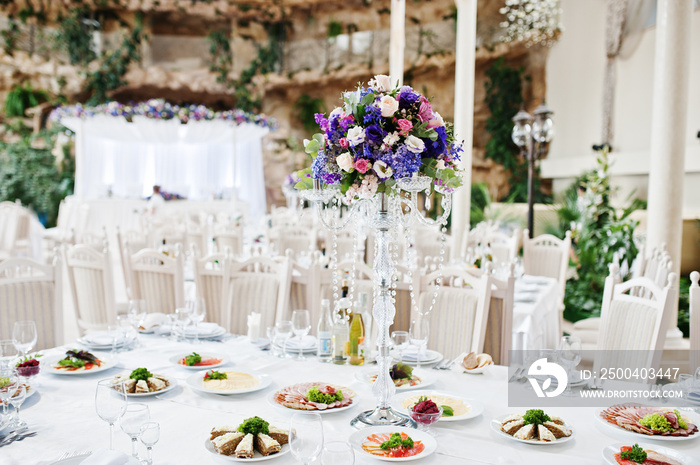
(435, 148)
(372, 114)
(331, 178)
(321, 120)
(407, 98)
(375, 134)
(404, 162)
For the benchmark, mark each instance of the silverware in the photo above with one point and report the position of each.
(10, 438)
(26, 435)
(516, 376)
(441, 365)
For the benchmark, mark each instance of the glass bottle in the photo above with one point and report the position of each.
(357, 339)
(341, 334)
(325, 333)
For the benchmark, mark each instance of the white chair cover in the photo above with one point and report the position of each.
(158, 279)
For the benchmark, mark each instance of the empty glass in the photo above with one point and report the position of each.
(8, 353)
(115, 335)
(24, 336)
(400, 339)
(301, 325)
(110, 403)
(150, 434)
(306, 436)
(181, 322)
(271, 336)
(198, 311)
(337, 453)
(569, 355)
(17, 400)
(283, 333)
(10, 386)
(418, 334)
(135, 416)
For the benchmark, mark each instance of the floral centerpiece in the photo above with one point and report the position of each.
(382, 134)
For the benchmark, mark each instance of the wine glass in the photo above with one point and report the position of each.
(114, 332)
(24, 336)
(110, 403)
(198, 311)
(418, 334)
(150, 434)
(306, 436)
(183, 319)
(10, 385)
(8, 353)
(337, 453)
(135, 416)
(569, 355)
(17, 400)
(137, 314)
(125, 328)
(301, 325)
(271, 336)
(284, 331)
(400, 339)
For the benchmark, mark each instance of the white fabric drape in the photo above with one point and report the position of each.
(197, 160)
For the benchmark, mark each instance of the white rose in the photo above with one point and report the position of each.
(346, 162)
(388, 105)
(391, 138)
(382, 169)
(338, 111)
(381, 82)
(356, 135)
(414, 144)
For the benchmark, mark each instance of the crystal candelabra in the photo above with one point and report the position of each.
(384, 212)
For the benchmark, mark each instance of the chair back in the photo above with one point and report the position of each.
(210, 274)
(229, 238)
(547, 255)
(32, 291)
(258, 284)
(460, 312)
(633, 324)
(305, 287)
(92, 286)
(158, 279)
(300, 239)
(499, 327)
(128, 243)
(694, 322)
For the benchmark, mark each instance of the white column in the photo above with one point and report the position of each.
(668, 129)
(464, 112)
(397, 41)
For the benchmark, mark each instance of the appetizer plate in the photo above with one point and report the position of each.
(496, 426)
(358, 437)
(49, 362)
(172, 382)
(175, 360)
(205, 330)
(195, 381)
(656, 437)
(427, 378)
(610, 451)
(475, 407)
(271, 400)
(256, 458)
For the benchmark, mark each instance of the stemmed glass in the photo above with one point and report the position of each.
(17, 400)
(400, 339)
(284, 331)
(272, 337)
(569, 352)
(301, 325)
(125, 328)
(8, 353)
(10, 387)
(306, 436)
(150, 434)
(198, 311)
(183, 319)
(137, 313)
(24, 336)
(115, 333)
(337, 453)
(135, 416)
(418, 334)
(110, 403)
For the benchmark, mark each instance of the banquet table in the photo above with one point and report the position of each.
(536, 313)
(63, 412)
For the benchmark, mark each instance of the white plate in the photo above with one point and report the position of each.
(97, 345)
(410, 358)
(78, 459)
(656, 437)
(256, 458)
(175, 359)
(496, 426)
(195, 382)
(358, 437)
(427, 379)
(477, 370)
(210, 331)
(476, 407)
(271, 400)
(49, 362)
(172, 382)
(610, 451)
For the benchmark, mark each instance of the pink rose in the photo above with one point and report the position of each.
(405, 126)
(343, 142)
(436, 121)
(426, 111)
(362, 165)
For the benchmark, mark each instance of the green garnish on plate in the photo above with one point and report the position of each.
(396, 441)
(254, 426)
(192, 359)
(315, 395)
(636, 454)
(213, 374)
(140, 374)
(535, 417)
(447, 411)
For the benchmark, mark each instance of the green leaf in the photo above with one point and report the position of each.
(367, 99)
(305, 180)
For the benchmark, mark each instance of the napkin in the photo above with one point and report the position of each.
(152, 320)
(102, 338)
(107, 457)
(203, 329)
(309, 342)
(254, 320)
(410, 353)
(694, 396)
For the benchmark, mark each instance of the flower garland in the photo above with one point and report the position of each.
(531, 21)
(380, 135)
(160, 109)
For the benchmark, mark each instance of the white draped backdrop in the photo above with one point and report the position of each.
(198, 160)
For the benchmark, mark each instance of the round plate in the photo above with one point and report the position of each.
(49, 362)
(172, 382)
(256, 458)
(175, 359)
(610, 451)
(195, 381)
(358, 437)
(271, 400)
(432, 356)
(656, 437)
(215, 332)
(496, 426)
(427, 378)
(476, 407)
(104, 346)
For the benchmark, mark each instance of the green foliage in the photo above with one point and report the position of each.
(114, 65)
(306, 107)
(75, 37)
(334, 29)
(684, 306)
(10, 36)
(221, 55)
(20, 98)
(601, 235)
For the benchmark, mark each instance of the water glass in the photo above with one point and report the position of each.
(17, 400)
(8, 353)
(301, 325)
(115, 335)
(198, 311)
(181, 322)
(24, 336)
(399, 339)
(306, 436)
(418, 334)
(337, 453)
(11, 385)
(135, 416)
(150, 434)
(110, 403)
(283, 333)
(569, 355)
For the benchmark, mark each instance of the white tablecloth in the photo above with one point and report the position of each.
(535, 313)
